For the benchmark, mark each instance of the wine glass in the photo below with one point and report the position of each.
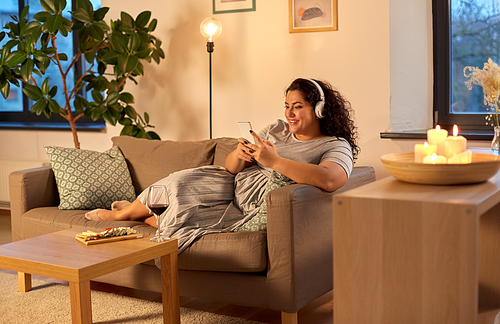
(157, 202)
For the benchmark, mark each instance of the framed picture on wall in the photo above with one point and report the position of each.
(225, 6)
(312, 16)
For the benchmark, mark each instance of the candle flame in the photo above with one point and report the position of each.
(438, 128)
(426, 144)
(455, 130)
(434, 157)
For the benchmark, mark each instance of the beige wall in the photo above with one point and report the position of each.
(255, 58)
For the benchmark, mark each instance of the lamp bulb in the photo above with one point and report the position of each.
(210, 28)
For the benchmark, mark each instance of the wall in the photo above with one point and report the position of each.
(255, 58)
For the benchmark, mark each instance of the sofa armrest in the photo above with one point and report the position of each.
(300, 241)
(30, 189)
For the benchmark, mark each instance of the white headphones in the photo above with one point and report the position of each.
(318, 109)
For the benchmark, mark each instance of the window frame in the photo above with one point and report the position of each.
(28, 120)
(442, 115)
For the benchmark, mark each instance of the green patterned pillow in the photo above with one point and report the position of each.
(259, 221)
(89, 179)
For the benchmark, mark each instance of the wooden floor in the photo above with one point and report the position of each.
(319, 311)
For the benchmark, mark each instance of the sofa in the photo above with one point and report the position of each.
(283, 268)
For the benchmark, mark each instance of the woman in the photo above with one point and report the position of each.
(316, 146)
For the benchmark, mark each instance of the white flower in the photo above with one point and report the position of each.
(489, 79)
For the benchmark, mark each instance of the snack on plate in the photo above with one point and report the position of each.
(117, 231)
(108, 232)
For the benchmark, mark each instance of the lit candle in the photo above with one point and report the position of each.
(437, 136)
(434, 159)
(454, 144)
(461, 158)
(422, 150)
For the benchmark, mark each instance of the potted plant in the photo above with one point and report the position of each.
(111, 54)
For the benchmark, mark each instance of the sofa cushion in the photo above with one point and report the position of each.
(225, 145)
(232, 252)
(89, 179)
(259, 221)
(151, 160)
(235, 252)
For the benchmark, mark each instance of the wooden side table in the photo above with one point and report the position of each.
(408, 253)
(58, 255)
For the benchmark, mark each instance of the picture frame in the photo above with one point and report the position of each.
(227, 6)
(303, 17)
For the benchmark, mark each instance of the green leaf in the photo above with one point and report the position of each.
(100, 13)
(133, 42)
(146, 117)
(62, 56)
(127, 98)
(126, 121)
(130, 111)
(127, 19)
(60, 5)
(27, 69)
(95, 32)
(142, 19)
(132, 63)
(154, 136)
(48, 5)
(53, 23)
(97, 96)
(110, 57)
(32, 92)
(86, 5)
(152, 25)
(15, 58)
(53, 92)
(112, 98)
(54, 106)
(45, 87)
(39, 107)
(82, 15)
(24, 13)
(139, 69)
(119, 42)
(127, 130)
(5, 90)
(42, 16)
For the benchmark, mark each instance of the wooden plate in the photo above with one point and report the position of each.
(402, 166)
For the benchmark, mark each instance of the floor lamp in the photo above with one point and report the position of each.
(210, 28)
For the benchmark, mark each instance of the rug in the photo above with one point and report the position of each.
(49, 302)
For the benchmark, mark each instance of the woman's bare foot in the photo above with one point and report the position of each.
(94, 215)
(119, 205)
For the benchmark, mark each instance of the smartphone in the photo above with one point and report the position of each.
(245, 128)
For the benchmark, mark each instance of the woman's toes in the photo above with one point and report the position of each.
(94, 215)
(119, 205)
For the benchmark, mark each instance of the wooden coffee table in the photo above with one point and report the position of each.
(58, 255)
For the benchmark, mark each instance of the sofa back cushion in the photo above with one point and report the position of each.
(151, 160)
(225, 145)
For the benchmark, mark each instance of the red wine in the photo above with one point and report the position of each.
(158, 209)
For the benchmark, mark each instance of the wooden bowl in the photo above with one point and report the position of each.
(402, 166)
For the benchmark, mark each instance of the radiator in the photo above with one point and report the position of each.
(8, 166)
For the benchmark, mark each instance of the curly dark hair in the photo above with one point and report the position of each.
(338, 111)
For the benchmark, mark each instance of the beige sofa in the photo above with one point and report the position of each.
(282, 269)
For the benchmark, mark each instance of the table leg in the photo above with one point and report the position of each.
(81, 307)
(170, 289)
(24, 281)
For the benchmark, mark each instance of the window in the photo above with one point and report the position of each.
(466, 33)
(15, 110)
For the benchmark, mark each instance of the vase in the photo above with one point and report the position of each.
(495, 143)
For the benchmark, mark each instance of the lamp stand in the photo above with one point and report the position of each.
(210, 49)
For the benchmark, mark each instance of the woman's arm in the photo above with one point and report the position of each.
(327, 175)
(240, 158)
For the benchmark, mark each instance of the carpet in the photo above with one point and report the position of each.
(49, 302)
